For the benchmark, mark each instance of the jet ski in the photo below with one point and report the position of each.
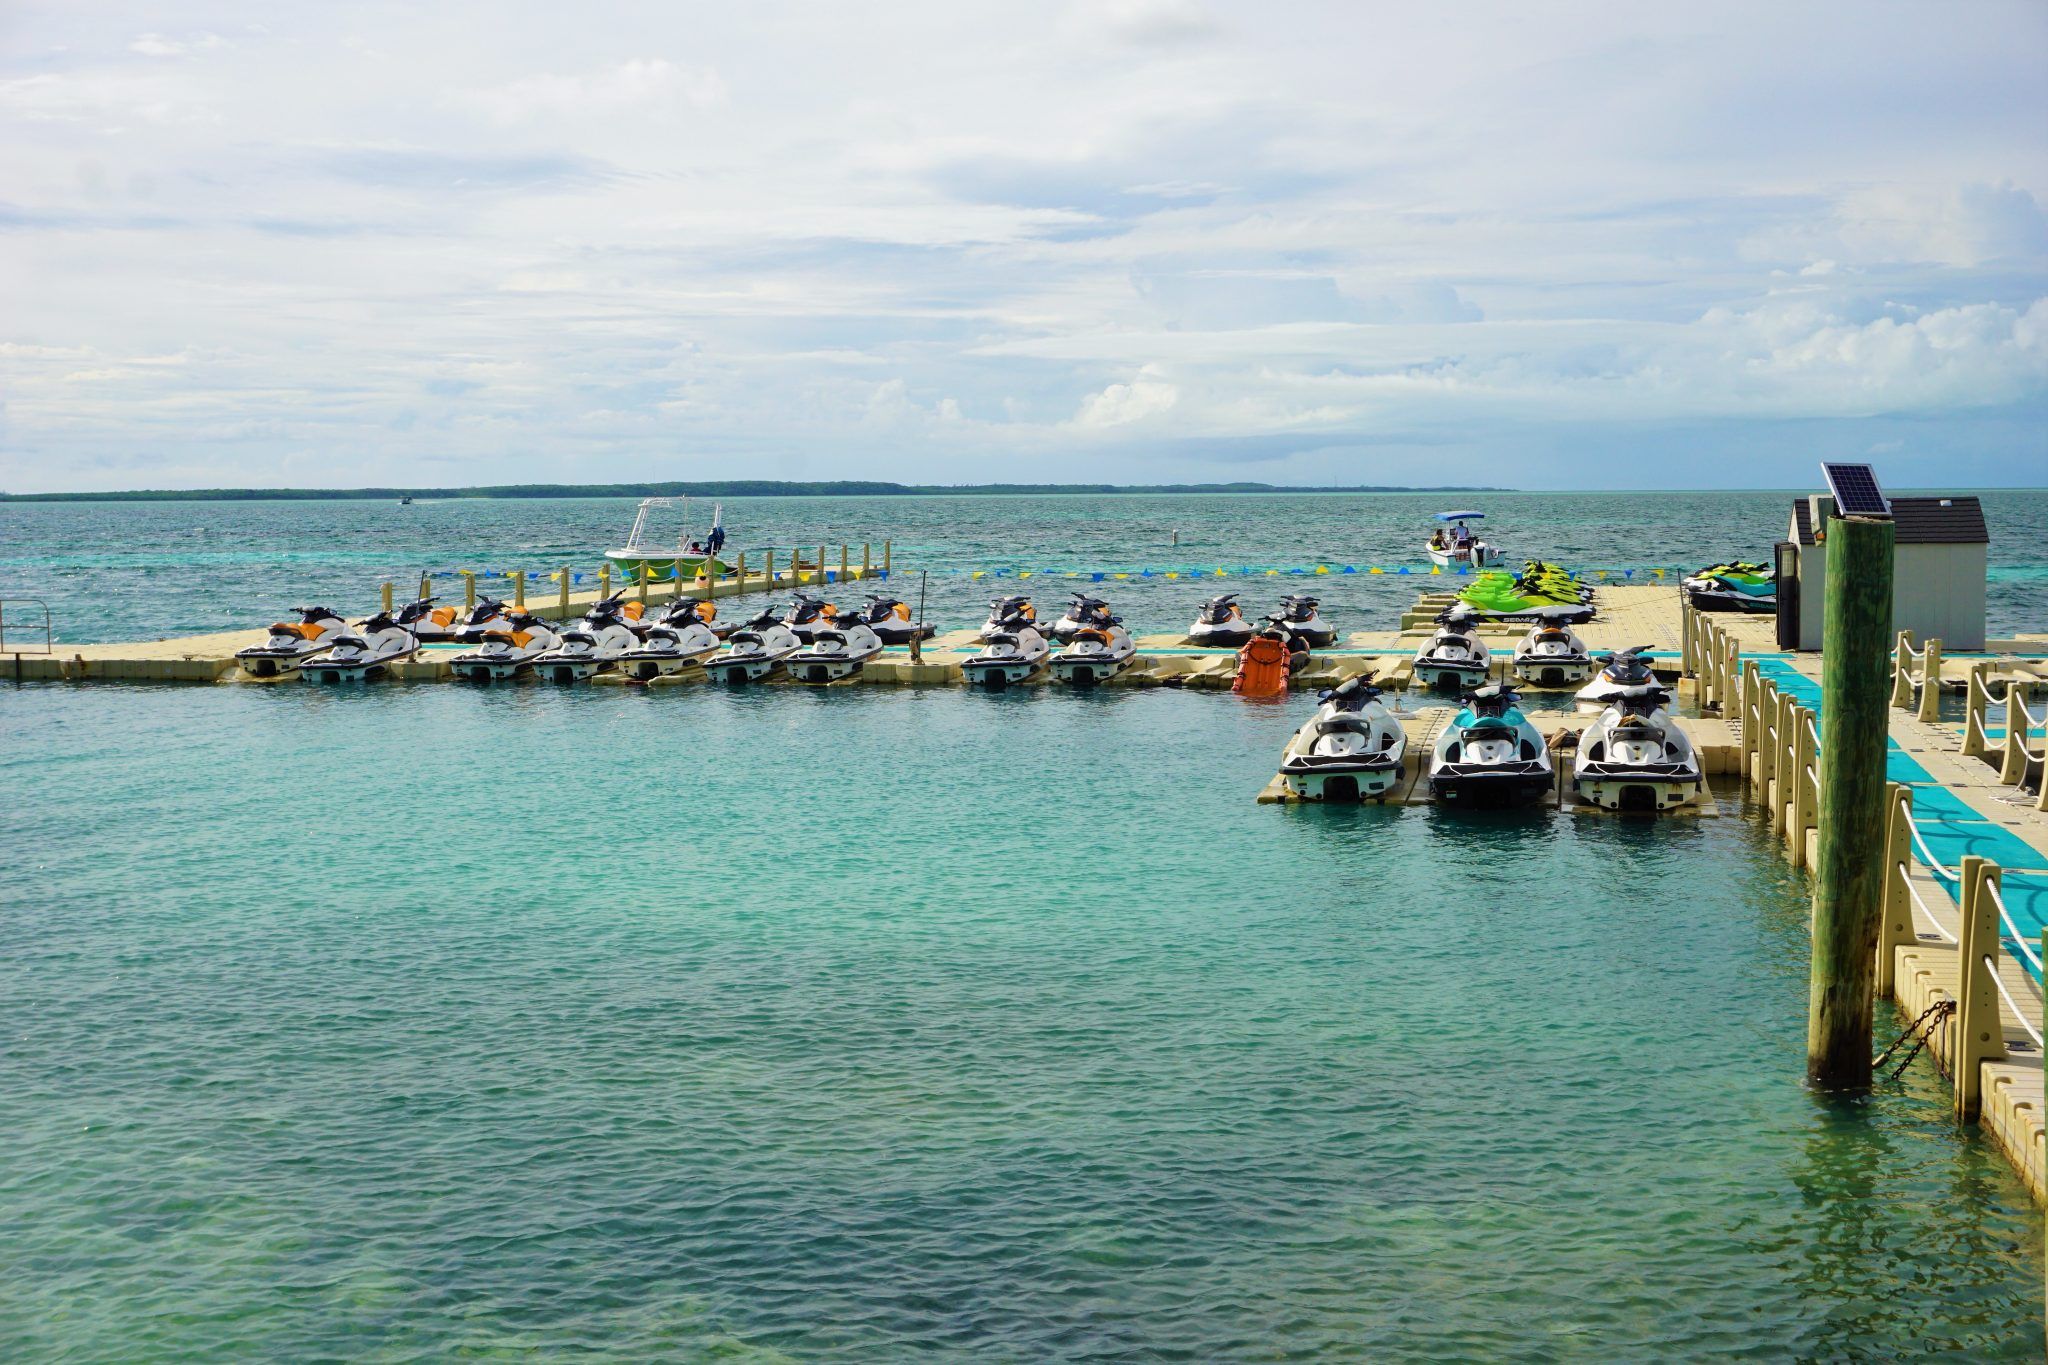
(1552, 655)
(1455, 658)
(1541, 592)
(679, 638)
(1085, 613)
(1740, 586)
(1621, 669)
(1351, 749)
(1221, 624)
(291, 643)
(838, 651)
(807, 615)
(1299, 615)
(508, 652)
(755, 650)
(1489, 754)
(487, 616)
(890, 620)
(1095, 653)
(1635, 757)
(1011, 655)
(1001, 609)
(429, 624)
(591, 646)
(364, 653)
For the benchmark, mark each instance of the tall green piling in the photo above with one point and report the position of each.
(1848, 906)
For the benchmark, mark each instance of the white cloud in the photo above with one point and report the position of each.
(637, 85)
(1121, 404)
(157, 45)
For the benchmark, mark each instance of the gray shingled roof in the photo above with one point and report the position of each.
(1920, 521)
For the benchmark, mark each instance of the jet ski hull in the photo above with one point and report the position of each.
(1540, 670)
(1086, 670)
(260, 662)
(485, 668)
(363, 668)
(902, 636)
(1646, 790)
(1341, 777)
(1727, 599)
(646, 665)
(995, 675)
(1491, 786)
(735, 669)
(815, 669)
(1448, 676)
(1232, 637)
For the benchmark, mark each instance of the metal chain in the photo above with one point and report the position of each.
(1932, 1017)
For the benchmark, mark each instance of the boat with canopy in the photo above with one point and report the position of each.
(660, 560)
(1453, 544)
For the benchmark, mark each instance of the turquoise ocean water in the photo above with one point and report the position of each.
(427, 1021)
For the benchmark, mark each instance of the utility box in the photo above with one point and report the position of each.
(1938, 570)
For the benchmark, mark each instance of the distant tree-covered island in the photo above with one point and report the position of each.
(728, 488)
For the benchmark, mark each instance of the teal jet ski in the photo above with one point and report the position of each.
(1490, 754)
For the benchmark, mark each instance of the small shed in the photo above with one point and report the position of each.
(1938, 569)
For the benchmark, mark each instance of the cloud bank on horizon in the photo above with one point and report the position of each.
(1131, 240)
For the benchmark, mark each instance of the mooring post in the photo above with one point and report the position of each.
(646, 571)
(821, 564)
(885, 559)
(387, 597)
(1684, 635)
(519, 589)
(844, 563)
(565, 576)
(468, 588)
(1898, 929)
(426, 585)
(1848, 905)
(1980, 1031)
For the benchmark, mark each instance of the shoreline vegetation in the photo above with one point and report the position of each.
(730, 488)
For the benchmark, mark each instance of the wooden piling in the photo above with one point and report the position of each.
(844, 566)
(519, 589)
(604, 582)
(1848, 905)
(426, 586)
(885, 559)
(566, 577)
(468, 588)
(387, 597)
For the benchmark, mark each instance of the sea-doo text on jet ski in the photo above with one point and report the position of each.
(834, 653)
(291, 643)
(1010, 655)
(1489, 754)
(1095, 653)
(1221, 624)
(1552, 655)
(755, 650)
(1351, 749)
(1454, 658)
(366, 652)
(1635, 757)
(508, 652)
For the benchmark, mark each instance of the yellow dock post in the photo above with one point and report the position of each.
(566, 576)
(387, 597)
(768, 583)
(885, 559)
(426, 585)
(468, 588)
(604, 582)
(821, 564)
(1980, 1036)
(865, 564)
(843, 564)
(1896, 929)
(645, 570)
(739, 566)
(1902, 669)
(1930, 683)
(519, 589)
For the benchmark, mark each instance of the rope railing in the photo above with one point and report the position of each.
(1927, 858)
(2026, 1022)
(1913, 894)
(1917, 670)
(2012, 931)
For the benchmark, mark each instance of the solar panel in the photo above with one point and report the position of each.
(1856, 491)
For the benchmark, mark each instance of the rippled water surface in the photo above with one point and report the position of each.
(116, 571)
(878, 1024)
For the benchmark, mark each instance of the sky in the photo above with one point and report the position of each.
(1544, 246)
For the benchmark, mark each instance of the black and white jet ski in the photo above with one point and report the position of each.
(508, 652)
(1298, 613)
(1489, 754)
(1221, 624)
(807, 615)
(1083, 613)
(678, 638)
(1095, 653)
(430, 624)
(1552, 655)
(755, 650)
(477, 624)
(362, 654)
(1622, 669)
(1001, 609)
(291, 643)
(1635, 757)
(1351, 749)
(1009, 656)
(890, 620)
(836, 652)
(591, 646)
(1454, 658)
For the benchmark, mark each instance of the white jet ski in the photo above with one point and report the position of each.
(755, 650)
(508, 652)
(1454, 659)
(1011, 655)
(1083, 613)
(807, 615)
(834, 653)
(1552, 655)
(1001, 609)
(1221, 624)
(679, 638)
(591, 646)
(1298, 613)
(477, 625)
(291, 643)
(362, 654)
(1622, 669)
(430, 624)
(1351, 749)
(1490, 754)
(1635, 757)
(889, 619)
(1095, 653)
